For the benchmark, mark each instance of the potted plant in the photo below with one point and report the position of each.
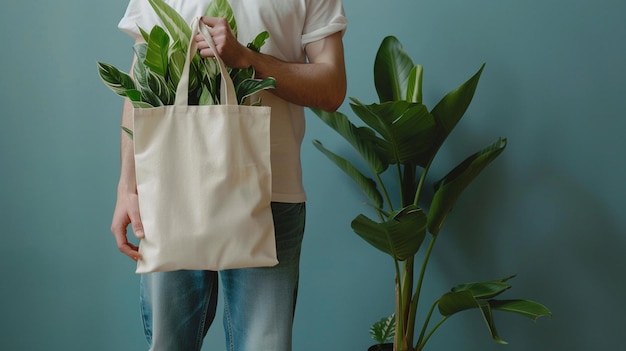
(382, 332)
(402, 136)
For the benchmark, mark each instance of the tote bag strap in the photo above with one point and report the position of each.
(227, 88)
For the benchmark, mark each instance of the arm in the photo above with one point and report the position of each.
(127, 206)
(321, 83)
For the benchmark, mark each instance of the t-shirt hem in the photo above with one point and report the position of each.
(289, 198)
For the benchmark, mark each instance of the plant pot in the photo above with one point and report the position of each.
(381, 347)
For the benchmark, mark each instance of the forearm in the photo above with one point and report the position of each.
(320, 85)
(127, 182)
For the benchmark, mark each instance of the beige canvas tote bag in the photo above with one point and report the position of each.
(204, 181)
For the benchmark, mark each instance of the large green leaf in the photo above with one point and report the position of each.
(456, 301)
(158, 51)
(361, 138)
(392, 68)
(221, 8)
(407, 128)
(451, 108)
(400, 237)
(115, 79)
(367, 185)
(175, 24)
(526, 308)
(450, 187)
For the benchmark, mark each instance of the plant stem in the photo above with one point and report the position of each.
(421, 345)
(420, 185)
(418, 290)
(427, 321)
(409, 267)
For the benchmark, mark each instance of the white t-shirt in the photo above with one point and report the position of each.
(292, 24)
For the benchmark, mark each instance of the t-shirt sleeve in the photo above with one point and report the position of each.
(323, 19)
(138, 14)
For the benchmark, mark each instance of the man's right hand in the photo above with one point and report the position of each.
(127, 212)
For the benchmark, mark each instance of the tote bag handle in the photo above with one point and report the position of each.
(227, 88)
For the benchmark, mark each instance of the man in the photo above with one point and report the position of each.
(305, 56)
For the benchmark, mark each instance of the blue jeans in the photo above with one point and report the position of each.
(259, 303)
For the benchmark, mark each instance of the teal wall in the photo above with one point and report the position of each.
(549, 209)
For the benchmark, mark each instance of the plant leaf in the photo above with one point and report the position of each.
(392, 68)
(485, 290)
(141, 104)
(175, 24)
(128, 132)
(449, 111)
(157, 51)
(407, 128)
(160, 88)
(450, 187)
(384, 329)
(221, 8)
(251, 86)
(175, 65)
(485, 309)
(456, 301)
(400, 236)
(367, 185)
(526, 308)
(115, 79)
(362, 139)
(133, 95)
(259, 41)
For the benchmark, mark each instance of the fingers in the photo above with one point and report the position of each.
(127, 212)
(213, 21)
(123, 245)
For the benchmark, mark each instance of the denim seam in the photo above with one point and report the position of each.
(229, 327)
(200, 335)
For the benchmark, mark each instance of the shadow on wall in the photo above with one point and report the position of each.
(557, 236)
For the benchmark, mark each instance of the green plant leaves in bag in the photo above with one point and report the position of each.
(259, 41)
(157, 53)
(175, 24)
(250, 86)
(400, 236)
(450, 187)
(115, 79)
(222, 9)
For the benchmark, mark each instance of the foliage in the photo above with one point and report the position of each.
(161, 58)
(384, 330)
(401, 135)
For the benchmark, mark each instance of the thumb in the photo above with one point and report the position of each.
(136, 224)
